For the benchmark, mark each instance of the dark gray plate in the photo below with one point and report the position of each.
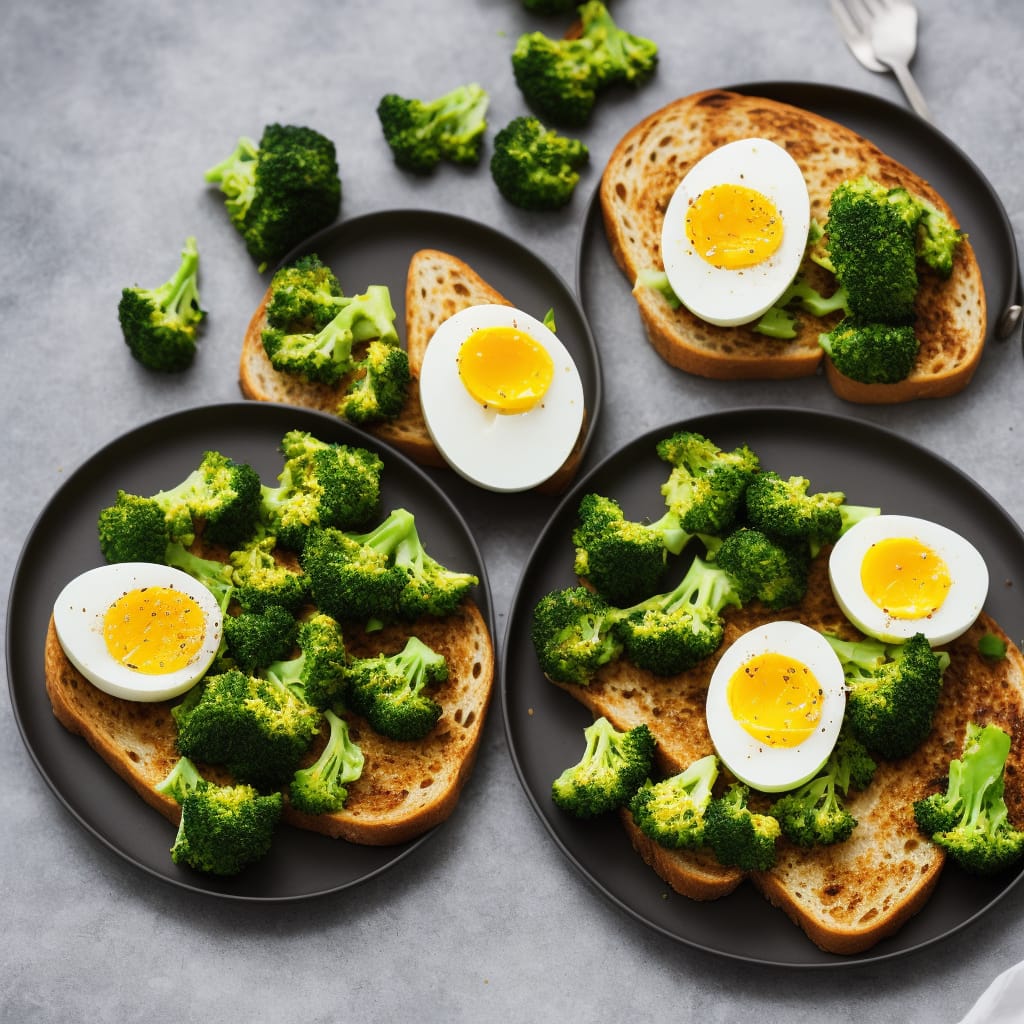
(543, 724)
(63, 543)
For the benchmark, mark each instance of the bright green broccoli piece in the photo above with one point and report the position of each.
(223, 829)
(281, 191)
(388, 690)
(657, 280)
(160, 325)
(133, 529)
(255, 639)
(317, 675)
(780, 322)
(872, 353)
(969, 820)
(614, 765)
(893, 691)
(216, 576)
(321, 484)
(256, 728)
(323, 787)
(422, 133)
(380, 386)
(673, 811)
(739, 836)
(534, 167)
(560, 78)
(573, 634)
(304, 296)
(992, 646)
(937, 239)
(782, 507)
(772, 571)
(261, 580)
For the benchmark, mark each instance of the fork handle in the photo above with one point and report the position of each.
(909, 86)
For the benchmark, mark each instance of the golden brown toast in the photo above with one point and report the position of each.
(643, 172)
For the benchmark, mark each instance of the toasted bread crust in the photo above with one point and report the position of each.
(649, 162)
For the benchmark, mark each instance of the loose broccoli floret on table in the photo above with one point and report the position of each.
(871, 353)
(317, 675)
(740, 837)
(672, 812)
(535, 167)
(323, 787)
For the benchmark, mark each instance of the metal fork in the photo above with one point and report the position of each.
(882, 34)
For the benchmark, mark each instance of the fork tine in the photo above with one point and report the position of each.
(850, 16)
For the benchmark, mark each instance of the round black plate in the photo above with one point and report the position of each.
(898, 132)
(544, 724)
(63, 543)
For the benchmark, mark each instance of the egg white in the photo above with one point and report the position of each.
(729, 297)
(78, 619)
(760, 766)
(963, 603)
(499, 451)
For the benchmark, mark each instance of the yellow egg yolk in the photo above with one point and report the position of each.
(776, 699)
(505, 369)
(733, 227)
(154, 630)
(905, 578)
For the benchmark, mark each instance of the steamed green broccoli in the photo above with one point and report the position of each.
(780, 322)
(322, 787)
(216, 576)
(160, 324)
(317, 675)
(535, 167)
(421, 133)
(772, 571)
(573, 634)
(614, 765)
(739, 836)
(937, 239)
(560, 79)
(782, 507)
(304, 295)
(673, 811)
(281, 191)
(261, 580)
(134, 529)
(872, 353)
(255, 639)
(388, 690)
(969, 820)
(380, 386)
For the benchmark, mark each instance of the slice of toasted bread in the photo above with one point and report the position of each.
(652, 158)
(405, 788)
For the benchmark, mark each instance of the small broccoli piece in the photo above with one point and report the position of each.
(423, 132)
(969, 820)
(613, 767)
(261, 580)
(380, 386)
(256, 639)
(318, 674)
(323, 787)
(872, 353)
(325, 356)
(560, 79)
(534, 167)
(992, 646)
(672, 812)
(782, 507)
(893, 691)
(738, 836)
(216, 576)
(133, 529)
(304, 295)
(256, 728)
(774, 572)
(671, 632)
(622, 559)
(706, 486)
(160, 324)
(813, 814)
(322, 484)
(657, 280)
(937, 239)
(280, 191)
(573, 634)
(780, 323)
(388, 690)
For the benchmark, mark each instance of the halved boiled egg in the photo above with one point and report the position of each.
(894, 576)
(735, 231)
(501, 396)
(138, 630)
(775, 705)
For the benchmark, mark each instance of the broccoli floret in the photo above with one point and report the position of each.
(774, 572)
(872, 353)
(534, 167)
(304, 295)
(937, 239)
(622, 559)
(261, 580)
(318, 674)
(280, 191)
(133, 529)
(323, 787)
(253, 726)
(992, 646)
(160, 324)
(560, 78)
(380, 385)
(322, 484)
(388, 690)
(223, 829)
(671, 632)
(813, 814)
(255, 639)
(738, 836)
(423, 132)
(613, 767)
(216, 576)
(970, 819)
(780, 323)
(573, 634)
(893, 690)
(324, 356)
(672, 811)
(782, 507)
